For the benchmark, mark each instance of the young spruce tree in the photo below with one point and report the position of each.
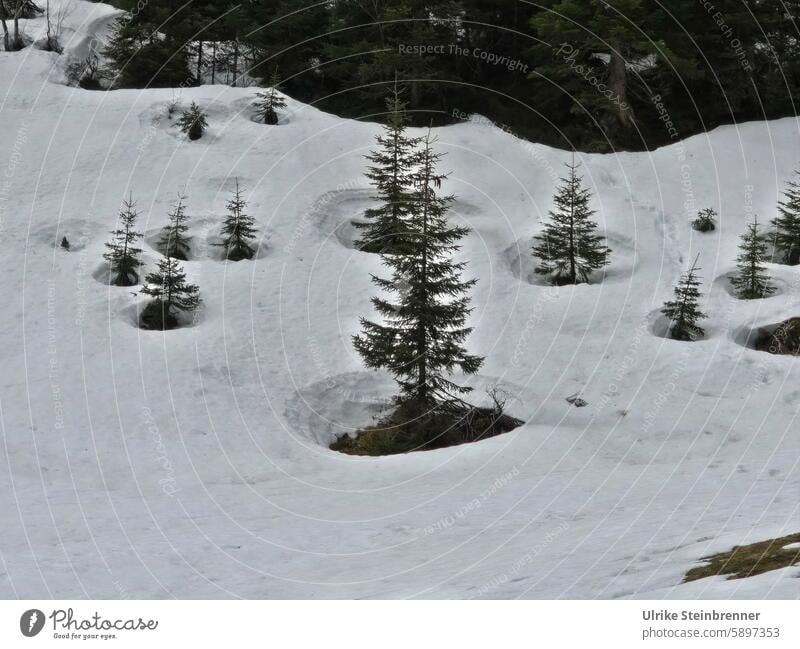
(123, 255)
(391, 172)
(193, 122)
(174, 242)
(270, 101)
(238, 231)
(568, 248)
(787, 225)
(705, 221)
(684, 311)
(420, 338)
(751, 281)
(171, 294)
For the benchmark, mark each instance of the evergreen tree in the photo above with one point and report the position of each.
(392, 175)
(270, 101)
(143, 53)
(173, 241)
(751, 282)
(705, 221)
(420, 339)
(606, 38)
(238, 232)
(684, 311)
(171, 294)
(568, 248)
(123, 255)
(787, 225)
(193, 122)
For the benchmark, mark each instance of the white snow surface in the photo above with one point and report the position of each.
(194, 463)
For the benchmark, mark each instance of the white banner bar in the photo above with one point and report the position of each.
(399, 624)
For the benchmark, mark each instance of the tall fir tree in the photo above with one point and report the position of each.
(391, 173)
(787, 225)
(238, 231)
(171, 295)
(684, 311)
(173, 241)
(420, 338)
(568, 249)
(270, 101)
(751, 281)
(123, 255)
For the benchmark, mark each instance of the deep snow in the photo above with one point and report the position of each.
(194, 464)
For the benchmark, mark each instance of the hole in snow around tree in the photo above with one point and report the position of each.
(102, 273)
(661, 326)
(338, 404)
(335, 411)
(208, 245)
(153, 236)
(724, 283)
(133, 314)
(779, 338)
(522, 262)
(336, 214)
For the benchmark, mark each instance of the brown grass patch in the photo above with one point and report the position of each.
(748, 560)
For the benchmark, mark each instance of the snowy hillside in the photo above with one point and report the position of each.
(195, 464)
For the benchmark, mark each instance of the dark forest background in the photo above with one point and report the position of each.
(591, 74)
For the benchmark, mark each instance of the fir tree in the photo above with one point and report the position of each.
(392, 175)
(173, 241)
(684, 311)
(751, 282)
(705, 221)
(238, 232)
(123, 255)
(193, 122)
(171, 294)
(141, 54)
(568, 248)
(270, 101)
(787, 225)
(420, 339)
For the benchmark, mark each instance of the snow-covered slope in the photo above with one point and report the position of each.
(195, 463)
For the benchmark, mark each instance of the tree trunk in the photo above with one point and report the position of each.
(213, 62)
(200, 61)
(6, 39)
(235, 60)
(618, 82)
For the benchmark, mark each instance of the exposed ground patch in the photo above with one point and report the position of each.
(749, 560)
